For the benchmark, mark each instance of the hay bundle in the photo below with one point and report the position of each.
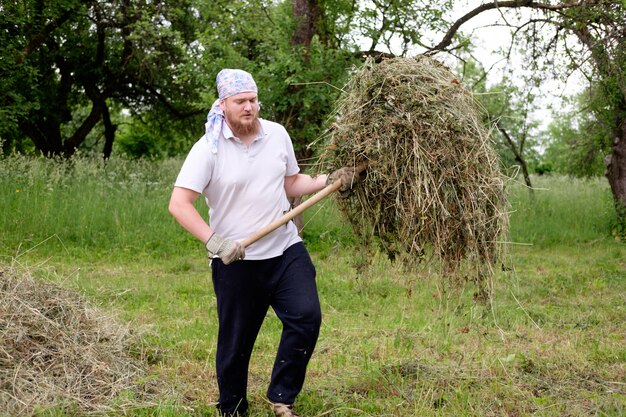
(433, 189)
(56, 351)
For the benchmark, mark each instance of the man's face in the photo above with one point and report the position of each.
(241, 112)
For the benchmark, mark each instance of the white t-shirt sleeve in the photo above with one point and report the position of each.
(196, 171)
(292, 162)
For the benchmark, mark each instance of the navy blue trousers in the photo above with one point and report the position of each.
(245, 290)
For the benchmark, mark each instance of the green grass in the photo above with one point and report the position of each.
(562, 210)
(118, 207)
(391, 344)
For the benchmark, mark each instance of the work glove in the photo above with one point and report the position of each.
(348, 177)
(225, 249)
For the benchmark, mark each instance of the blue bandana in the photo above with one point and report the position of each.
(229, 83)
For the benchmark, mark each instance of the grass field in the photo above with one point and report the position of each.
(553, 343)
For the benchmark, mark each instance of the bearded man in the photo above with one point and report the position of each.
(246, 169)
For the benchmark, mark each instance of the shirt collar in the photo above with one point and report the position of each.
(228, 133)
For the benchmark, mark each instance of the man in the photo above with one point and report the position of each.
(246, 169)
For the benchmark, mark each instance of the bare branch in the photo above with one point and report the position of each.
(516, 152)
(496, 5)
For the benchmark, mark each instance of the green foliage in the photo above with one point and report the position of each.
(586, 37)
(507, 110)
(155, 72)
(301, 90)
(580, 140)
(385, 22)
(295, 83)
(155, 137)
(302, 84)
(601, 55)
(137, 141)
(67, 62)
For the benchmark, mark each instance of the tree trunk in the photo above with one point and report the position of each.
(306, 13)
(73, 142)
(298, 220)
(109, 132)
(46, 136)
(616, 171)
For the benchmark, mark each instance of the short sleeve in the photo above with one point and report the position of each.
(195, 174)
(292, 162)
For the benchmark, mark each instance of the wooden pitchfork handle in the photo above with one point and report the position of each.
(320, 195)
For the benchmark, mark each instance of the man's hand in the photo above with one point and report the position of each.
(348, 177)
(225, 249)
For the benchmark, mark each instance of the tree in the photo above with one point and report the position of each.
(282, 45)
(579, 140)
(65, 63)
(69, 67)
(591, 34)
(507, 111)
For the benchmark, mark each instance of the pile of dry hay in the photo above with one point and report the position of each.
(433, 189)
(56, 351)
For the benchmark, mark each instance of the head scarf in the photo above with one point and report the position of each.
(229, 83)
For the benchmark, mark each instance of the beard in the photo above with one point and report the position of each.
(243, 127)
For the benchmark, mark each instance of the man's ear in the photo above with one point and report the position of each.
(223, 104)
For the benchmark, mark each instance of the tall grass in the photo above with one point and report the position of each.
(86, 204)
(561, 210)
(121, 206)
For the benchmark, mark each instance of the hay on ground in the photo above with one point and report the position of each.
(433, 189)
(57, 351)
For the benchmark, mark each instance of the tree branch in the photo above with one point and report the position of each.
(517, 152)
(43, 34)
(168, 105)
(513, 4)
(85, 127)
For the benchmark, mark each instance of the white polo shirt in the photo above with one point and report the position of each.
(244, 186)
